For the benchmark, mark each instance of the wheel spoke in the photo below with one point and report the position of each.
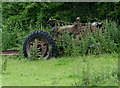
(37, 44)
(38, 47)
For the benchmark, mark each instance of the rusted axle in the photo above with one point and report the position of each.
(10, 52)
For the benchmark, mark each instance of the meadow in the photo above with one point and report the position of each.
(91, 70)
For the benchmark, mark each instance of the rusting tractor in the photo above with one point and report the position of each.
(41, 44)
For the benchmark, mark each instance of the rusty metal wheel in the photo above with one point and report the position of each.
(39, 44)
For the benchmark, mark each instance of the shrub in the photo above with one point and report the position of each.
(106, 38)
(14, 35)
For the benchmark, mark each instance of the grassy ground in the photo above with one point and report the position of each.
(100, 70)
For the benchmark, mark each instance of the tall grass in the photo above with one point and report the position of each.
(108, 39)
(14, 34)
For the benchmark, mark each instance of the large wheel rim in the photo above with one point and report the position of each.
(38, 46)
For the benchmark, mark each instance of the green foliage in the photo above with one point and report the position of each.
(20, 19)
(29, 11)
(106, 38)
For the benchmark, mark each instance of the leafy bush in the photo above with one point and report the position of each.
(106, 38)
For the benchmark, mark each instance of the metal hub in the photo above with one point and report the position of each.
(42, 48)
(37, 46)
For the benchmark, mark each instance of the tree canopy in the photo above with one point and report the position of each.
(67, 11)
